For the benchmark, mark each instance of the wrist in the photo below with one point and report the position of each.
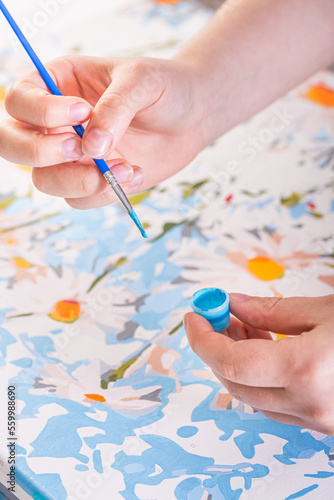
(207, 96)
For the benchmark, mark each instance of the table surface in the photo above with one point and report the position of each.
(111, 401)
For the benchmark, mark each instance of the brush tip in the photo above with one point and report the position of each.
(135, 219)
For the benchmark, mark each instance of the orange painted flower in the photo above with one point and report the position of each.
(96, 397)
(321, 95)
(265, 268)
(66, 311)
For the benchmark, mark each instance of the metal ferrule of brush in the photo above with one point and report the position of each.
(112, 181)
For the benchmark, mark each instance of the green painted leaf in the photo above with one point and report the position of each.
(292, 200)
(317, 215)
(96, 281)
(29, 223)
(168, 226)
(19, 315)
(121, 261)
(138, 198)
(191, 188)
(254, 195)
(118, 373)
(176, 328)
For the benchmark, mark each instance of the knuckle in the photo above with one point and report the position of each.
(312, 377)
(47, 113)
(114, 102)
(269, 307)
(271, 304)
(36, 153)
(86, 183)
(229, 370)
(139, 67)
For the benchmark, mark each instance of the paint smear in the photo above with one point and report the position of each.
(96, 397)
(265, 269)
(66, 311)
(280, 336)
(21, 263)
(168, 1)
(25, 168)
(321, 95)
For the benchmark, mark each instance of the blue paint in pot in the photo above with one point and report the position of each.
(213, 305)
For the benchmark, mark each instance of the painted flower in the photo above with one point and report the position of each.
(66, 311)
(321, 94)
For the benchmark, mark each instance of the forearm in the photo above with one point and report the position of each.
(254, 51)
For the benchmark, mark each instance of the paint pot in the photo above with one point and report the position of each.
(213, 305)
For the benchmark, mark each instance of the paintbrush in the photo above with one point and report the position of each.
(79, 129)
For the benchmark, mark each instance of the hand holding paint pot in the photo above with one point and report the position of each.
(290, 380)
(213, 305)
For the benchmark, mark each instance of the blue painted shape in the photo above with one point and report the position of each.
(133, 468)
(55, 332)
(97, 461)
(81, 467)
(185, 487)
(321, 473)
(187, 431)
(6, 339)
(253, 426)
(166, 454)
(306, 453)
(303, 492)
(42, 345)
(23, 362)
(246, 443)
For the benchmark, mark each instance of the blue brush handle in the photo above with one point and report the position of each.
(79, 129)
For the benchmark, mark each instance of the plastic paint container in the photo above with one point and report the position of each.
(213, 305)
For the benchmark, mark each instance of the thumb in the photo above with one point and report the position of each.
(290, 316)
(128, 94)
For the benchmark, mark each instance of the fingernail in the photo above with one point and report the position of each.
(96, 143)
(238, 297)
(123, 172)
(80, 112)
(72, 149)
(138, 177)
